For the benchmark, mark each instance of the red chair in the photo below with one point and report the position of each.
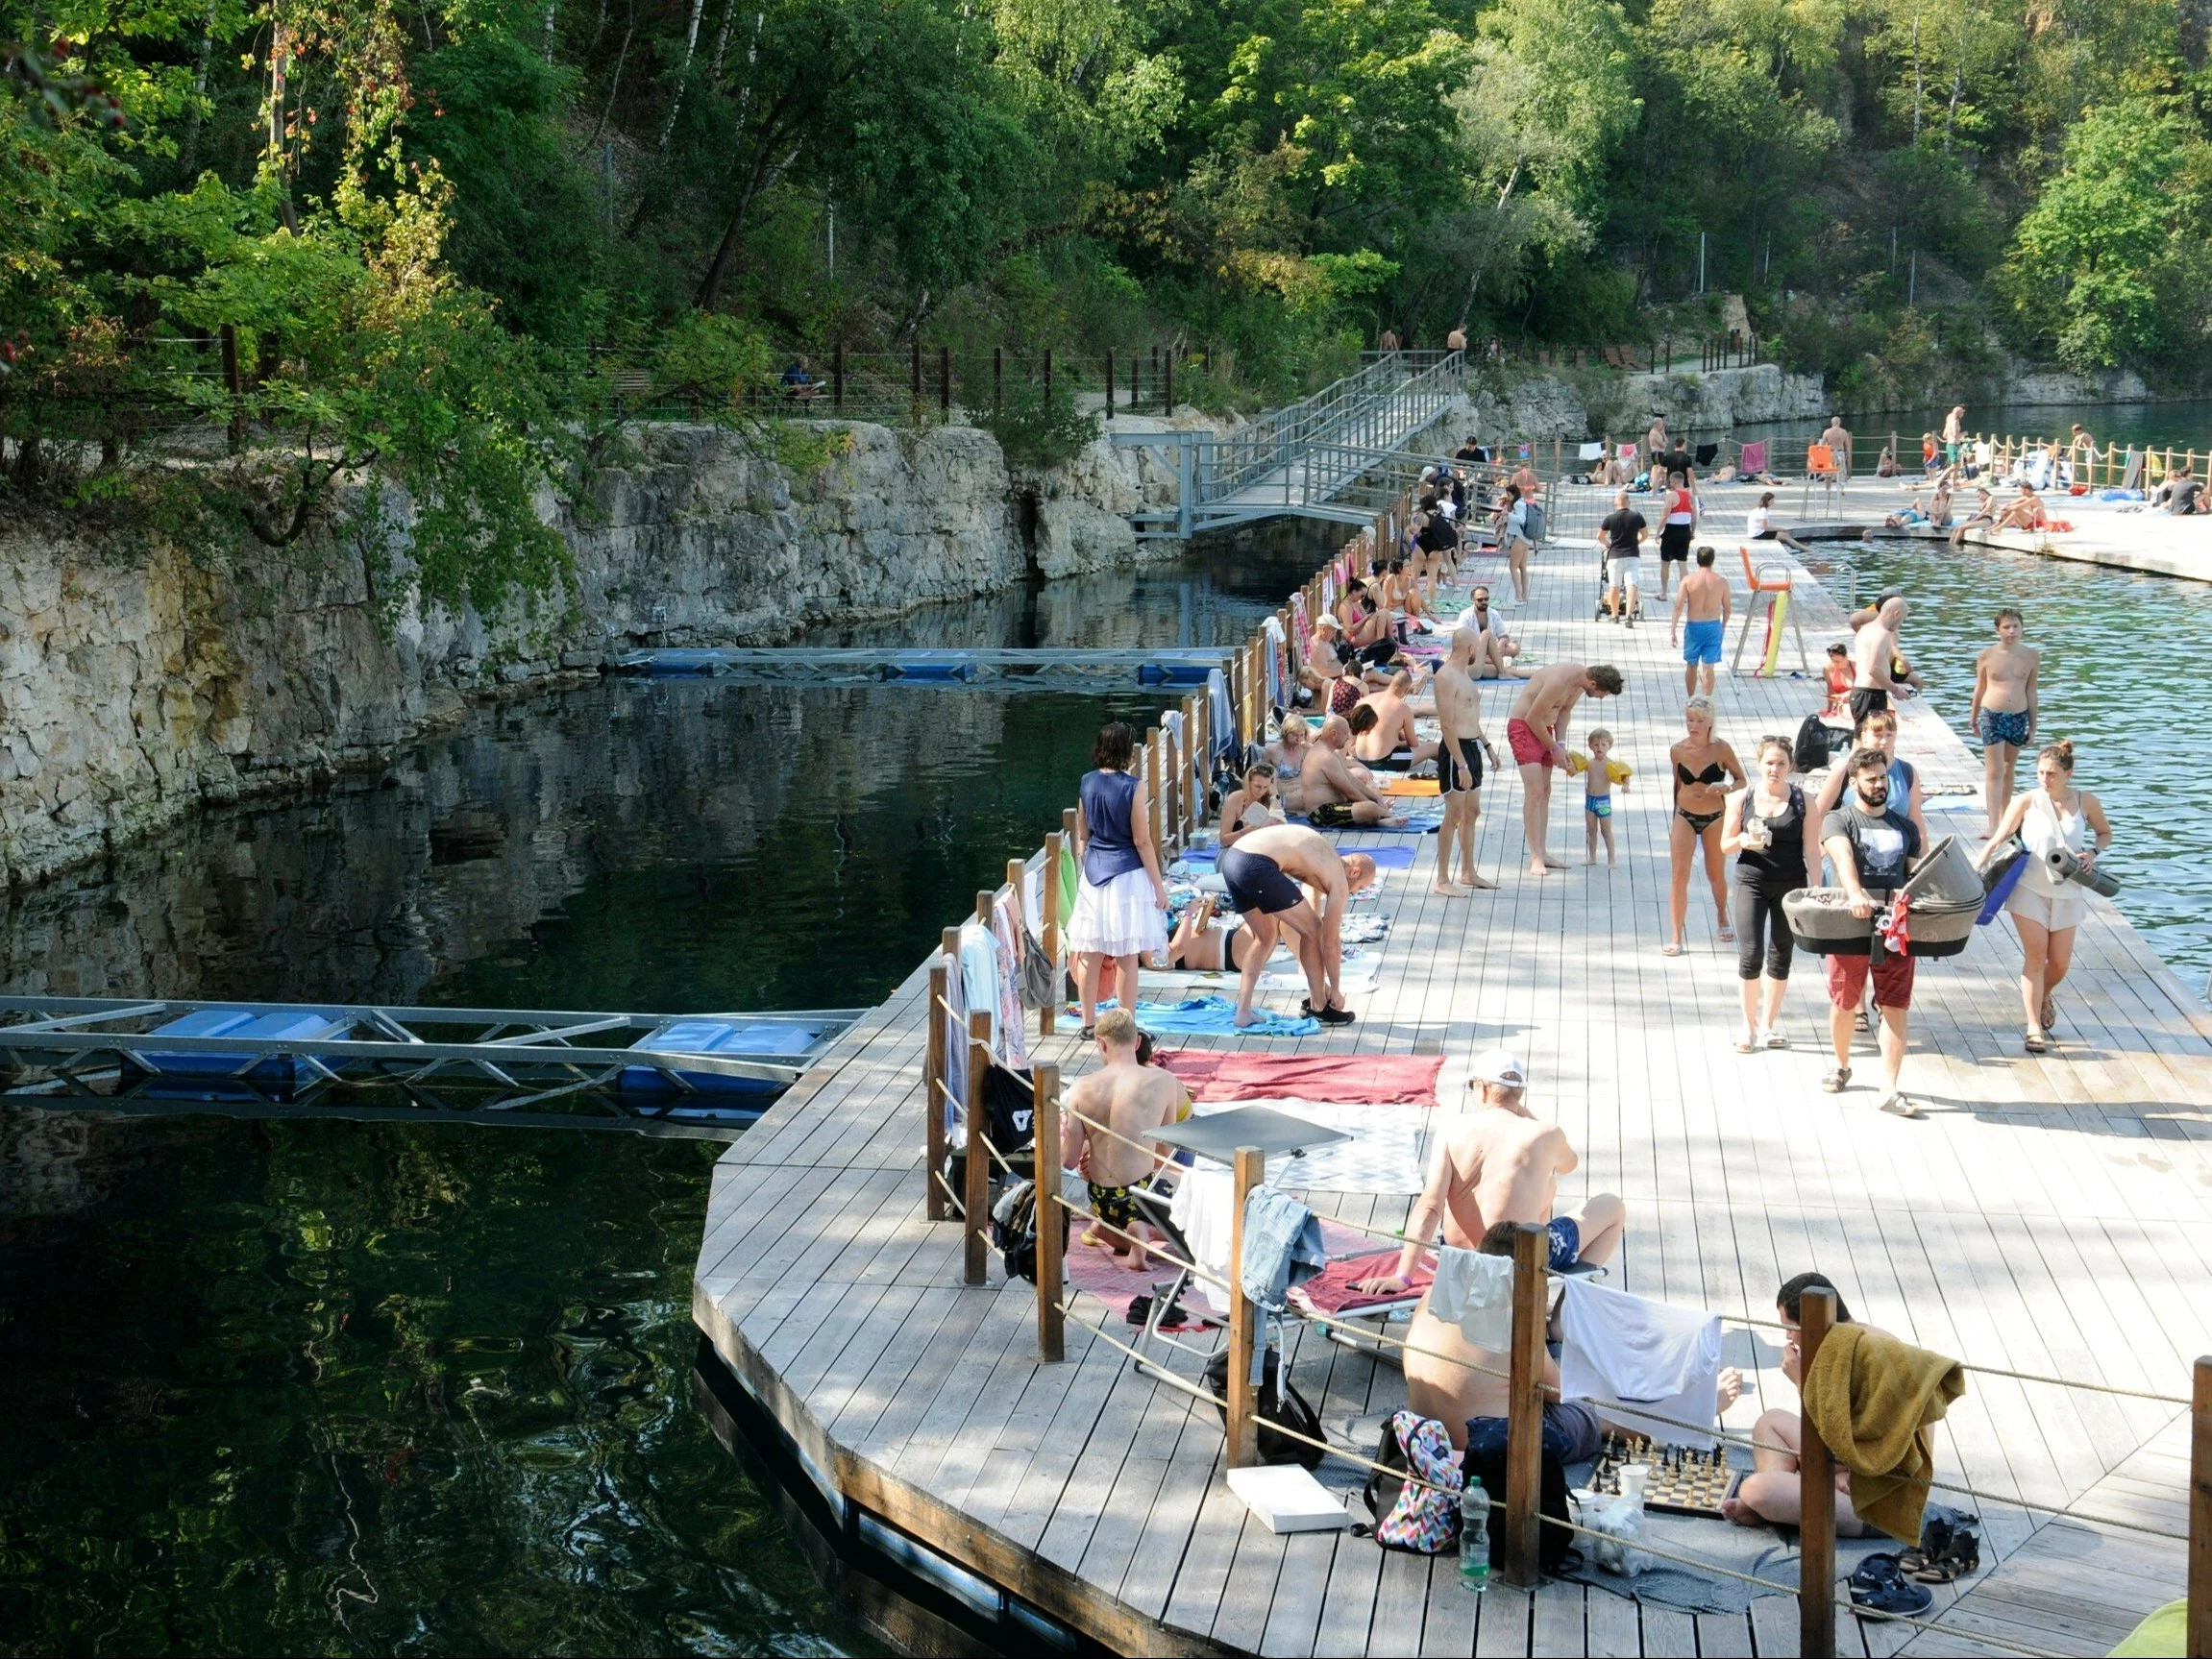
(1773, 582)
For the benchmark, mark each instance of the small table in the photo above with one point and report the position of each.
(1276, 1133)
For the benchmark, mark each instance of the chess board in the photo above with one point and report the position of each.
(1683, 1480)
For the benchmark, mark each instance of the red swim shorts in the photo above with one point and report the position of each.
(1528, 749)
(1892, 981)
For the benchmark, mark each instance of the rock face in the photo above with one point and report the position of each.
(1589, 405)
(134, 687)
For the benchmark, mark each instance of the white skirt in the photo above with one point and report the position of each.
(1119, 918)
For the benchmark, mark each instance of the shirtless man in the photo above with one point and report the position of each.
(2004, 710)
(1874, 660)
(1391, 739)
(1839, 439)
(1496, 1163)
(1263, 872)
(1131, 1100)
(2024, 513)
(1699, 621)
(1984, 513)
(1772, 1491)
(1315, 780)
(1460, 758)
(1532, 733)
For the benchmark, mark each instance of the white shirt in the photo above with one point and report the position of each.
(1617, 1347)
(1472, 619)
(1759, 523)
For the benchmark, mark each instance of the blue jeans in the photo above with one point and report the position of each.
(1571, 1434)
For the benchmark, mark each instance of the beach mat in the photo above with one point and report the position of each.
(1216, 1016)
(1347, 1079)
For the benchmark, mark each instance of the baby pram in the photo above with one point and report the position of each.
(1601, 613)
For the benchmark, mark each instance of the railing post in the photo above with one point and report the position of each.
(837, 377)
(945, 382)
(1048, 377)
(1250, 1169)
(1816, 1495)
(975, 1199)
(1525, 1408)
(1051, 1219)
(1109, 382)
(2200, 1642)
(1173, 775)
(998, 376)
(1048, 932)
(914, 379)
(1167, 387)
(1155, 795)
(932, 1097)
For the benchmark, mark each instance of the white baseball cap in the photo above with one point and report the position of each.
(1498, 1065)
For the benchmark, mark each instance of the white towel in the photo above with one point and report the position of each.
(1592, 451)
(1476, 1293)
(1202, 1209)
(1617, 1349)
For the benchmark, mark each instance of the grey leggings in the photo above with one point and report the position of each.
(1762, 931)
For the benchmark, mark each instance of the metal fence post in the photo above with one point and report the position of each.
(1109, 382)
(944, 381)
(837, 377)
(1816, 1496)
(1050, 1218)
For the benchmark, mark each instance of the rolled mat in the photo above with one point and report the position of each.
(1356, 1079)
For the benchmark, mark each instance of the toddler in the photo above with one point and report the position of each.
(1599, 776)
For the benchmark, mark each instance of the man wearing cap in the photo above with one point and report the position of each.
(1497, 1163)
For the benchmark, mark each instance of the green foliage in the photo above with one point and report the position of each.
(1035, 430)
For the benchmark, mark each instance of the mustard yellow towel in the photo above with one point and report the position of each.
(1871, 1401)
(1412, 786)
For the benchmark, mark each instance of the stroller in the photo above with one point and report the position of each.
(1603, 615)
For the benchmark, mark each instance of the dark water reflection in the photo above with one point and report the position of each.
(331, 1387)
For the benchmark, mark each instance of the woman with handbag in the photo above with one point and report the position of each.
(2054, 818)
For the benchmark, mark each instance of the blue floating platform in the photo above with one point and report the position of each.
(218, 1076)
(719, 1037)
(1174, 674)
(931, 668)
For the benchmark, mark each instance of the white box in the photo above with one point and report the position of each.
(1287, 1499)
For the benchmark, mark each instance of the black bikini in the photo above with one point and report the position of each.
(1713, 773)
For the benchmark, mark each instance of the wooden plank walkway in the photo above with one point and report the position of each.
(2051, 1215)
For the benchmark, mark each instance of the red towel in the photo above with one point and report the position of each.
(1330, 1290)
(1344, 1078)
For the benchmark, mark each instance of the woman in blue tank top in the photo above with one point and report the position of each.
(1121, 902)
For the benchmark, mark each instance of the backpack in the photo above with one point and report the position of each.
(1816, 741)
(1486, 1461)
(1014, 1230)
(1419, 1520)
(1279, 1403)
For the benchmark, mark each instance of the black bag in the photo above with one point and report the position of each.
(1014, 1230)
(1552, 1541)
(1816, 741)
(1281, 1404)
(1009, 1109)
(1035, 970)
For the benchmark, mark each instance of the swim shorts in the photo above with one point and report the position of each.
(1566, 1242)
(1701, 643)
(1113, 1205)
(1598, 806)
(1674, 543)
(2004, 726)
(1866, 700)
(1334, 814)
(1528, 749)
(1256, 882)
(1847, 977)
(1396, 761)
(1452, 779)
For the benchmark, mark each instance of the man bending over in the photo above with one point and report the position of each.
(1262, 872)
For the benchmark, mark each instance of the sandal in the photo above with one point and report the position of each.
(1776, 1039)
(1859, 1021)
(1089, 1033)
(1728, 936)
(2035, 1042)
(1748, 1043)
(1836, 1081)
(2049, 1011)
(1672, 947)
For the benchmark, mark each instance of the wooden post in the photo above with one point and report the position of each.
(1251, 1168)
(2200, 1642)
(837, 377)
(1051, 1219)
(1155, 794)
(944, 381)
(932, 1102)
(1525, 1408)
(1048, 377)
(977, 1199)
(1048, 932)
(1816, 1495)
(1555, 458)
(913, 378)
(1177, 781)
(1167, 387)
(997, 376)
(1109, 382)
(232, 383)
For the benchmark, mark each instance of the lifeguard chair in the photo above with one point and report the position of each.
(1772, 582)
(1821, 467)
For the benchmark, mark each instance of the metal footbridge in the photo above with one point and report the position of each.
(859, 665)
(1318, 460)
(699, 1074)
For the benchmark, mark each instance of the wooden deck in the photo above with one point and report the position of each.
(2049, 1215)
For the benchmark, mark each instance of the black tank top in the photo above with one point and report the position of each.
(1780, 862)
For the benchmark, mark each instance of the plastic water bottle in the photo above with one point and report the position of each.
(1474, 1535)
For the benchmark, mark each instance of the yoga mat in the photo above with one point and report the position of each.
(1349, 1079)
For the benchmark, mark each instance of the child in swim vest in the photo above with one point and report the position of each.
(1598, 780)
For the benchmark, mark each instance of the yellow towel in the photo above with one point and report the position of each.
(2163, 1634)
(1871, 1399)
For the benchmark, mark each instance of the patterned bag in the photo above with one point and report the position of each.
(1421, 1517)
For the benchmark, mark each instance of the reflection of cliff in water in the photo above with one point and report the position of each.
(1214, 596)
(640, 845)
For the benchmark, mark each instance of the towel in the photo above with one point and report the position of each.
(1590, 452)
(1706, 453)
(1415, 824)
(1617, 1347)
(1872, 1399)
(955, 1013)
(1627, 452)
(1276, 696)
(1352, 1079)
(1476, 1293)
(1754, 458)
(1216, 1016)
(1330, 1291)
(1224, 720)
(980, 974)
(1012, 1041)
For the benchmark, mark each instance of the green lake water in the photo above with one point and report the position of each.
(324, 1387)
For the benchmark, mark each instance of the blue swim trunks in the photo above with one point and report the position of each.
(1598, 806)
(2004, 726)
(1566, 1237)
(1701, 641)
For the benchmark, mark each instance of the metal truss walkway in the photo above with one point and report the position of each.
(1309, 460)
(1174, 666)
(694, 1073)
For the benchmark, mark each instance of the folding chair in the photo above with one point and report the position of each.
(1771, 582)
(1153, 1201)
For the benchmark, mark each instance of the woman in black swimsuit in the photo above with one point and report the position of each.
(1703, 770)
(1765, 829)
